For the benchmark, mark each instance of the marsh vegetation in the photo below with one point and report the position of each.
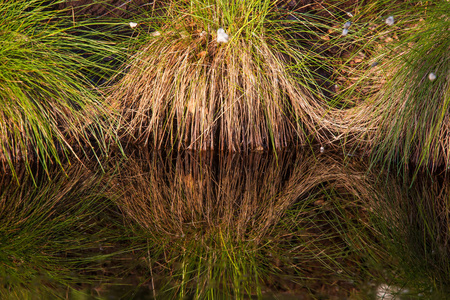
(85, 76)
(220, 226)
(213, 149)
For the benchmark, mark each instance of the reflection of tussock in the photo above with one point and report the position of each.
(212, 221)
(199, 192)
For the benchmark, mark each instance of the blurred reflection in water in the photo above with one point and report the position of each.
(227, 225)
(54, 234)
(204, 225)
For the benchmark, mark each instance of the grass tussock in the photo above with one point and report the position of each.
(49, 105)
(183, 89)
(406, 117)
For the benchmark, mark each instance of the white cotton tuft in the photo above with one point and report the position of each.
(133, 24)
(347, 25)
(222, 37)
(432, 76)
(390, 20)
(345, 31)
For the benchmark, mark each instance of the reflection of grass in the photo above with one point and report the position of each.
(184, 89)
(48, 107)
(249, 225)
(204, 226)
(50, 235)
(415, 230)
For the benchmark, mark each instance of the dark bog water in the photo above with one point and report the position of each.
(296, 225)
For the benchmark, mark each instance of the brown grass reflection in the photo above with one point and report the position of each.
(244, 224)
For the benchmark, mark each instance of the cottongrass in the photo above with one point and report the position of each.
(222, 37)
(389, 21)
(432, 76)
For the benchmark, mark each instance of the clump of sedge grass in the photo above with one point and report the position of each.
(49, 106)
(415, 124)
(183, 89)
(406, 119)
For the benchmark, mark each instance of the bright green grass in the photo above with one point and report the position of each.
(49, 106)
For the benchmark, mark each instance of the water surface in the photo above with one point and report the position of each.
(292, 225)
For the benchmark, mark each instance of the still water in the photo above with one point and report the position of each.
(292, 225)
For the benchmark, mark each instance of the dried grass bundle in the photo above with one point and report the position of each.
(183, 89)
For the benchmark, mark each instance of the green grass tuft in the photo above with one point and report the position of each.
(49, 105)
(400, 115)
